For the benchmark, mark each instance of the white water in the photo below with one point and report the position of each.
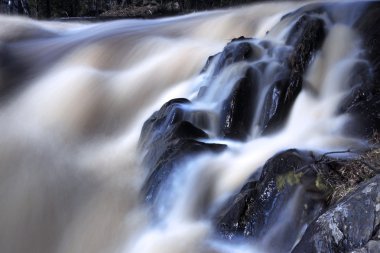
(70, 173)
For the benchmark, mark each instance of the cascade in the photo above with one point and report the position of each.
(253, 129)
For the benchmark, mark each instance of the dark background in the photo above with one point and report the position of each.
(47, 9)
(52, 9)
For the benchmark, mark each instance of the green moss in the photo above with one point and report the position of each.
(289, 178)
(321, 185)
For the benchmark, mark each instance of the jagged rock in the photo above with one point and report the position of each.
(288, 181)
(348, 225)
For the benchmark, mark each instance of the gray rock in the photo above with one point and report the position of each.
(348, 225)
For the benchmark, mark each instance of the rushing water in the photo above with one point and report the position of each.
(75, 97)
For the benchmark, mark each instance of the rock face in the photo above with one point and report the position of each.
(241, 106)
(256, 210)
(238, 109)
(237, 50)
(168, 138)
(364, 100)
(298, 189)
(350, 224)
(306, 36)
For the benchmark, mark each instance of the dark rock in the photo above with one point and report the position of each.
(169, 161)
(237, 50)
(182, 130)
(12, 73)
(288, 182)
(307, 37)
(274, 110)
(167, 138)
(348, 225)
(238, 109)
(335, 12)
(363, 103)
(210, 60)
(170, 113)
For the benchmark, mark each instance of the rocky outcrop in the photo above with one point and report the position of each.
(296, 189)
(240, 107)
(350, 224)
(306, 36)
(363, 103)
(167, 138)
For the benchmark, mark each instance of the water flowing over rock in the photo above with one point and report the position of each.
(294, 189)
(168, 139)
(255, 211)
(253, 129)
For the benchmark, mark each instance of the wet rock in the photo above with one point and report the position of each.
(167, 138)
(363, 103)
(237, 50)
(288, 195)
(169, 162)
(210, 59)
(307, 37)
(183, 130)
(238, 109)
(348, 225)
(170, 113)
(371, 247)
(275, 109)
(11, 73)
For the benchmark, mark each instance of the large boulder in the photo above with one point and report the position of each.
(297, 189)
(289, 194)
(167, 138)
(348, 225)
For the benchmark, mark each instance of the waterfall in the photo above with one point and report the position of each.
(148, 135)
